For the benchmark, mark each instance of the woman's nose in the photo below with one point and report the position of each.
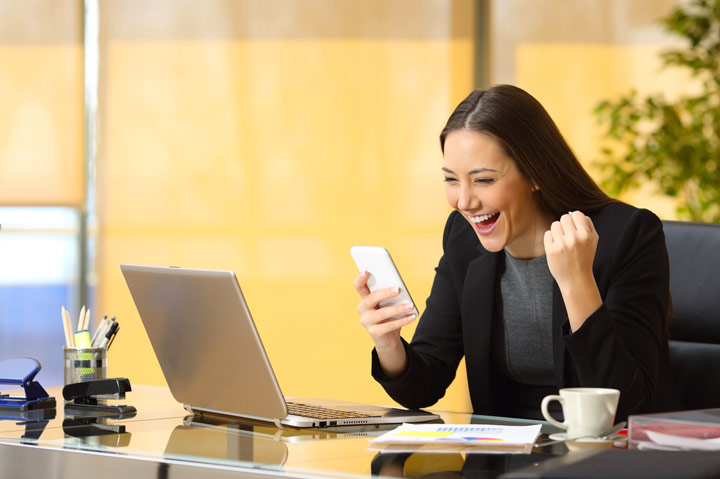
(466, 200)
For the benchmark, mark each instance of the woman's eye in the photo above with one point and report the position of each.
(450, 180)
(484, 181)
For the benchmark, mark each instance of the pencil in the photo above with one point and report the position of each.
(69, 321)
(86, 324)
(67, 326)
(81, 319)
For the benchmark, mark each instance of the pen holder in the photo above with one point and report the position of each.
(84, 364)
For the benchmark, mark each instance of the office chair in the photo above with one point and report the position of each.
(694, 253)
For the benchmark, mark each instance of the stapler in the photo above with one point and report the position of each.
(89, 397)
(97, 429)
(20, 372)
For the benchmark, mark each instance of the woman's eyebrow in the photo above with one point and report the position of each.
(471, 172)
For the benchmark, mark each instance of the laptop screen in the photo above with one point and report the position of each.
(205, 340)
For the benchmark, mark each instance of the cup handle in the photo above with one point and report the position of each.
(544, 408)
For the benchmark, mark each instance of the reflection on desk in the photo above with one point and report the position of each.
(165, 434)
(229, 444)
(287, 434)
(96, 431)
(426, 465)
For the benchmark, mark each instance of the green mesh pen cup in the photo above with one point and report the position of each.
(84, 364)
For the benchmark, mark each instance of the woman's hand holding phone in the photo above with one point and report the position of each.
(383, 323)
(384, 310)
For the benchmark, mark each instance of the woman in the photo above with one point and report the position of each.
(545, 281)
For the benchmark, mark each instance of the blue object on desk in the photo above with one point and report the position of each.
(21, 371)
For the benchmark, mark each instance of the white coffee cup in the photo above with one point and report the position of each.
(587, 411)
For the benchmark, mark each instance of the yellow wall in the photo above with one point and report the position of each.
(41, 100)
(271, 154)
(571, 79)
(607, 48)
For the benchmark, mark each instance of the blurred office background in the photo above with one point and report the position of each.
(267, 137)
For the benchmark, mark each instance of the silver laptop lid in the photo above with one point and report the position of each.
(205, 340)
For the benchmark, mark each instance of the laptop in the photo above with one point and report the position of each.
(212, 357)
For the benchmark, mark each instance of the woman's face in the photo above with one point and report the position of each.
(483, 184)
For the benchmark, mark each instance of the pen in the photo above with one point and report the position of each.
(113, 329)
(101, 334)
(101, 328)
(113, 336)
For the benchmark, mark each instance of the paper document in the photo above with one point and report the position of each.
(663, 441)
(464, 437)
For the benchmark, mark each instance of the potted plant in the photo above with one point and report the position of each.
(675, 144)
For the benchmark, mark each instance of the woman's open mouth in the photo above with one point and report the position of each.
(485, 224)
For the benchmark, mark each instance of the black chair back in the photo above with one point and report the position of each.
(694, 253)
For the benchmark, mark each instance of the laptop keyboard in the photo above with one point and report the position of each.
(308, 410)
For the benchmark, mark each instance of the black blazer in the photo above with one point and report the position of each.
(622, 345)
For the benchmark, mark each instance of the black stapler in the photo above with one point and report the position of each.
(94, 428)
(90, 396)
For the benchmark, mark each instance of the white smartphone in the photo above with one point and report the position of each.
(383, 274)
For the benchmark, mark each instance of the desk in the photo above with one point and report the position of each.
(163, 440)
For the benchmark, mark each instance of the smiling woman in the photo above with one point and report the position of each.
(483, 183)
(545, 281)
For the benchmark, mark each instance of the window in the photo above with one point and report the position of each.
(39, 251)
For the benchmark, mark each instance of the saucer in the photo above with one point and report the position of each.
(562, 436)
(587, 442)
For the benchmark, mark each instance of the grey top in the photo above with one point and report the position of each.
(526, 295)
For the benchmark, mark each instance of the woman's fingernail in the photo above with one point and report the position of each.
(407, 306)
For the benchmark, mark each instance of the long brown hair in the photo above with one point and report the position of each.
(530, 137)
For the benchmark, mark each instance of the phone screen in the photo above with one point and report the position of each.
(376, 260)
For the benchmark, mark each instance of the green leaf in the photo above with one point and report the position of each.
(674, 144)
